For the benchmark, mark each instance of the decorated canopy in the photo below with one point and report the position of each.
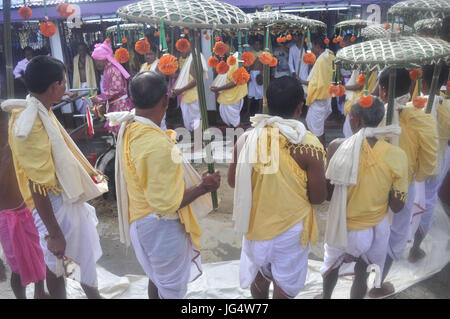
(186, 13)
(428, 26)
(378, 31)
(400, 52)
(124, 27)
(420, 9)
(278, 19)
(354, 23)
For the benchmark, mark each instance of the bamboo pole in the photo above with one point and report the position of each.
(391, 96)
(434, 84)
(301, 54)
(266, 75)
(8, 48)
(198, 69)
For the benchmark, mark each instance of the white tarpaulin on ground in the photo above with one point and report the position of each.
(221, 280)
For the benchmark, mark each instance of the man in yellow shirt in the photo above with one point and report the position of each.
(419, 141)
(151, 61)
(382, 182)
(273, 198)
(441, 112)
(231, 98)
(319, 80)
(163, 228)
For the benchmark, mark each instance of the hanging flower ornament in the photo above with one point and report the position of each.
(333, 90)
(414, 74)
(248, 59)
(274, 62)
(207, 37)
(341, 90)
(213, 61)
(168, 64)
(265, 58)
(353, 38)
(309, 58)
(220, 48)
(231, 60)
(335, 40)
(361, 79)
(183, 45)
(142, 46)
(241, 76)
(419, 102)
(47, 28)
(222, 68)
(339, 38)
(365, 101)
(25, 12)
(387, 26)
(65, 10)
(289, 37)
(121, 55)
(326, 41)
(124, 40)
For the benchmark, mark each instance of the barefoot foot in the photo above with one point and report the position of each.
(386, 289)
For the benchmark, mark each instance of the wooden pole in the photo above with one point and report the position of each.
(8, 48)
(433, 88)
(301, 54)
(266, 75)
(391, 96)
(198, 69)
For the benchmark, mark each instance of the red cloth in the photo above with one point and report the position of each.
(20, 241)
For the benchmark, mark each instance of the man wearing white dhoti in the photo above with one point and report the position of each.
(159, 194)
(55, 179)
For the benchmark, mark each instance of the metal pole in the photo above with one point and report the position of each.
(8, 48)
(391, 96)
(434, 84)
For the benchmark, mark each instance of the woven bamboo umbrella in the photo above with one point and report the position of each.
(414, 10)
(194, 15)
(355, 25)
(124, 30)
(278, 22)
(378, 31)
(395, 52)
(432, 26)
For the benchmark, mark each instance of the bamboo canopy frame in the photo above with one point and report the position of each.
(378, 31)
(394, 52)
(194, 15)
(278, 22)
(432, 26)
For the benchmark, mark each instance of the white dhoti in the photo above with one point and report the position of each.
(191, 115)
(318, 112)
(80, 104)
(401, 224)
(370, 244)
(347, 129)
(78, 223)
(166, 253)
(281, 259)
(255, 91)
(231, 113)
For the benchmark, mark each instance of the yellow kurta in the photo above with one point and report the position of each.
(357, 94)
(155, 183)
(419, 141)
(280, 200)
(381, 169)
(146, 66)
(191, 95)
(321, 79)
(232, 96)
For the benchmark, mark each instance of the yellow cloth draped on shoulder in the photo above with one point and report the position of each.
(320, 78)
(90, 73)
(232, 96)
(371, 86)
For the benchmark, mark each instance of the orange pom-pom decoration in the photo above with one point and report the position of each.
(186, 31)
(365, 101)
(342, 44)
(48, 29)
(248, 59)
(448, 86)
(413, 74)
(333, 90)
(168, 64)
(289, 37)
(341, 90)
(25, 12)
(265, 58)
(182, 45)
(361, 79)
(167, 38)
(279, 40)
(231, 60)
(205, 32)
(220, 48)
(213, 61)
(387, 26)
(124, 40)
(122, 55)
(339, 38)
(241, 76)
(335, 40)
(274, 62)
(283, 39)
(326, 41)
(309, 58)
(419, 102)
(142, 46)
(207, 37)
(156, 34)
(353, 38)
(65, 10)
(222, 68)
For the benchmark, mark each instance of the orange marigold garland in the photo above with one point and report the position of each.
(353, 38)
(65, 10)
(419, 102)
(341, 90)
(121, 55)
(222, 68)
(231, 60)
(265, 58)
(309, 58)
(335, 40)
(241, 76)
(326, 41)
(220, 48)
(365, 101)
(413, 74)
(248, 59)
(279, 40)
(213, 61)
(25, 12)
(168, 64)
(182, 45)
(361, 79)
(142, 46)
(186, 31)
(207, 37)
(342, 44)
(124, 40)
(274, 62)
(333, 90)
(47, 28)
(339, 38)
(289, 37)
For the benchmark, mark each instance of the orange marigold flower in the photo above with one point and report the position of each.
(335, 40)
(387, 26)
(167, 38)
(279, 40)
(333, 90)
(220, 48)
(124, 40)
(207, 37)
(289, 37)
(413, 74)
(222, 68)
(122, 55)
(142, 46)
(342, 44)
(213, 61)
(182, 45)
(274, 62)
(241, 76)
(25, 12)
(361, 79)
(168, 64)
(156, 34)
(48, 29)
(339, 38)
(231, 60)
(353, 38)
(265, 58)
(419, 102)
(65, 10)
(365, 101)
(186, 31)
(341, 90)
(248, 58)
(309, 58)
(326, 41)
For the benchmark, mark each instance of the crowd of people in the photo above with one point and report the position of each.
(372, 177)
